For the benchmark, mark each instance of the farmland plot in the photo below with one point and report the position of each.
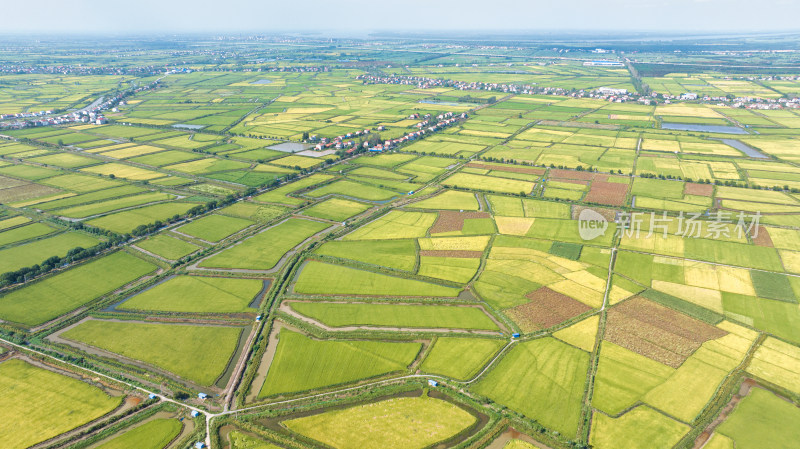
(39, 404)
(280, 239)
(400, 422)
(302, 363)
(63, 292)
(196, 353)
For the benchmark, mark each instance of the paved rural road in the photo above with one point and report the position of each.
(93, 105)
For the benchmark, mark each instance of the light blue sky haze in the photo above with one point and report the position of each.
(362, 16)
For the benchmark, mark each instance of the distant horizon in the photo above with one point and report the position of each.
(421, 34)
(363, 17)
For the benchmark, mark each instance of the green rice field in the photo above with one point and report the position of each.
(302, 363)
(154, 434)
(196, 353)
(279, 239)
(318, 278)
(63, 292)
(197, 294)
(214, 228)
(389, 315)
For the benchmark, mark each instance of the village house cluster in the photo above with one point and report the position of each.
(610, 94)
(605, 93)
(429, 124)
(90, 114)
(736, 102)
(15, 69)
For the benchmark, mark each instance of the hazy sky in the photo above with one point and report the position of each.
(360, 16)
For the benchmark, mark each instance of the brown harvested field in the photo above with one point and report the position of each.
(608, 214)
(25, 192)
(546, 309)
(600, 177)
(691, 188)
(657, 332)
(560, 175)
(608, 193)
(763, 238)
(571, 181)
(451, 253)
(7, 183)
(508, 168)
(451, 220)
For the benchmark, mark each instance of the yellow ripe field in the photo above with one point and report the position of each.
(587, 279)
(124, 171)
(703, 297)
(591, 298)
(581, 334)
(139, 150)
(777, 362)
(686, 110)
(477, 243)
(395, 225)
(513, 225)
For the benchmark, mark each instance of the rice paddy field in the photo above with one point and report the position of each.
(168, 247)
(197, 294)
(761, 419)
(393, 423)
(155, 434)
(302, 363)
(34, 251)
(336, 209)
(39, 404)
(533, 371)
(388, 315)
(265, 249)
(214, 228)
(65, 291)
(460, 358)
(523, 251)
(196, 353)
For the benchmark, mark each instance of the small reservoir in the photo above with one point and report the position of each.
(187, 126)
(704, 128)
(744, 148)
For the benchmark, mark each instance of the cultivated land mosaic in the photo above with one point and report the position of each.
(304, 243)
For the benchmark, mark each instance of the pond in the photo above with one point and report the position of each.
(186, 126)
(289, 147)
(704, 128)
(744, 148)
(441, 103)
